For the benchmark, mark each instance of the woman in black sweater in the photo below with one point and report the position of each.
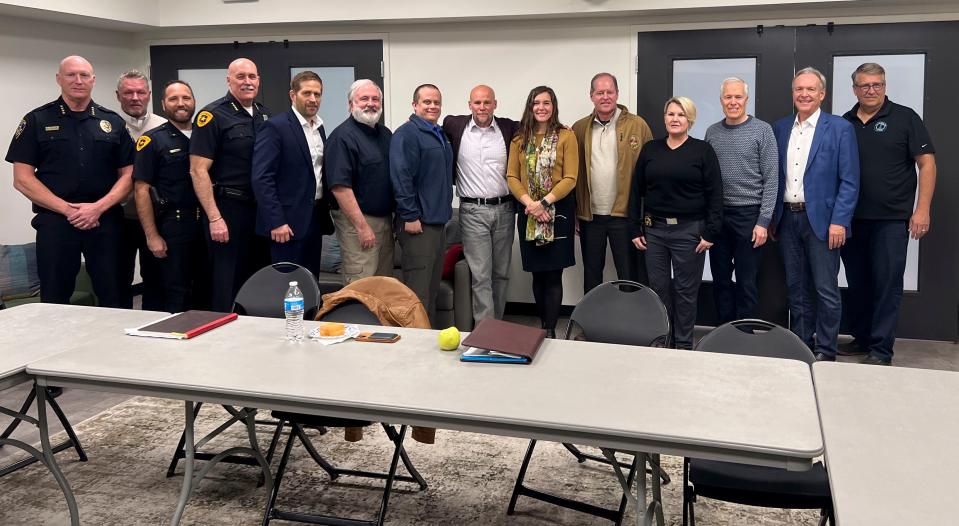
(676, 209)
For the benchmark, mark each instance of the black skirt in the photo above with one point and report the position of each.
(551, 256)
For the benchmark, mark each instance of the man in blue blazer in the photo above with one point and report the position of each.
(287, 178)
(818, 190)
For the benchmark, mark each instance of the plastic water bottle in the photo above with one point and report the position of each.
(293, 305)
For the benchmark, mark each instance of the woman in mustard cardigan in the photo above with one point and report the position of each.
(543, 165)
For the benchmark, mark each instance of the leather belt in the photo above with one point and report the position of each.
(650, 219)
(796, 207)
(487, 200)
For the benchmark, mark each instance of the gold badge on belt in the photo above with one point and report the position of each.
(106, 126)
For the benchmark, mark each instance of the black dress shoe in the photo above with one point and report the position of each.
(821, 357)
(54, 391)
(853, 348)
(873, 360)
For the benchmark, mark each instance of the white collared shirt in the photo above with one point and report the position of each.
(797, 155)
(481, 162)
(137, 127)
(603, 158)
(315, 142)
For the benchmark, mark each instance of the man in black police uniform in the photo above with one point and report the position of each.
(167, 206)
(221, 152)
(893, 141)
(73, 159)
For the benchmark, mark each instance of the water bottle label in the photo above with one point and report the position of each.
(293, 305)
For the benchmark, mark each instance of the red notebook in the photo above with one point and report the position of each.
(184, 325)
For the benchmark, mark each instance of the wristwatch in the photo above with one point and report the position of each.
(544, 202)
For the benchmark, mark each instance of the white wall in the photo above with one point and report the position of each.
(30, 52)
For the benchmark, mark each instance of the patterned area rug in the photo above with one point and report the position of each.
(470, 479)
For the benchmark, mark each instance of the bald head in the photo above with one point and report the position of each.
(243, 80)
(76, 79)
(482, 103)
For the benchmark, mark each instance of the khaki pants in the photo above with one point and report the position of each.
(359, 262)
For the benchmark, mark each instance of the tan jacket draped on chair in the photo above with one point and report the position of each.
(395, 305)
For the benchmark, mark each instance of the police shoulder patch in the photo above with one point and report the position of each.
(204, 118)
(20, 127)
(142, 142)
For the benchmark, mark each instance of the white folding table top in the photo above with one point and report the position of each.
(754, 410)
(891, 435)
(36, 330)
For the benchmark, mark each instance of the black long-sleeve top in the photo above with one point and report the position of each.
(684, 183)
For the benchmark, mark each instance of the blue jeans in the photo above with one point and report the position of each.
(875, 260)
(812, 282)
(733, 250)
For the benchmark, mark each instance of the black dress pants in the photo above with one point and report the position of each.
(593, 236)
(233, 262)
(59, 246)
(675, 273)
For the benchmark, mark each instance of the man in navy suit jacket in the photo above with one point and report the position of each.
(818, 190)
(287, 171)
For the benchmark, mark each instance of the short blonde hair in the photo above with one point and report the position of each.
(686, 104)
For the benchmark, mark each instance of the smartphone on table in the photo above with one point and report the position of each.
(378, 337)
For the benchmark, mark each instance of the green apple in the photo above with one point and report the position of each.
(449, 339)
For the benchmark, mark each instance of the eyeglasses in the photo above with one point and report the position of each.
(866, 88)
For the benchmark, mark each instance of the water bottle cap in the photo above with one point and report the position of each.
(293, 284)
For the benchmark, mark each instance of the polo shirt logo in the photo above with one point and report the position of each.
(880, 126)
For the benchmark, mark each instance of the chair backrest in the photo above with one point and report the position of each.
(262, 294)
(756, 338)
(623, 312)
(351, 312)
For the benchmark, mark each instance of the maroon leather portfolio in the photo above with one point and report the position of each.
(506, 337)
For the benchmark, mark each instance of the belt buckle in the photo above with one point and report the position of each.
(648, 220)
(672, 221)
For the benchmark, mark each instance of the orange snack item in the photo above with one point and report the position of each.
(332, 329)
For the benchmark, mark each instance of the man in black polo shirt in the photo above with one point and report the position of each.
(167, 206)
(73, 158)
(221, 153)
(892, 142)
(356, 169)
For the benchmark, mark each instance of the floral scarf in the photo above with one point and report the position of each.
(539, 167)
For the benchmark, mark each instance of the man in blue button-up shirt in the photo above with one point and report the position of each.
(421, 170)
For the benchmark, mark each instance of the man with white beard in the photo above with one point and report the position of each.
(356, 169)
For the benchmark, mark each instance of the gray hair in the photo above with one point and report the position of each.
(132, 74)
(686, 104)
(359, 84)
(869, 68)
(733, 80)
(812, 71)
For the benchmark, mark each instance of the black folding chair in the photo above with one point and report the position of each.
(755, 485)
(350, 312)
(620, 312)
(261, 295)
